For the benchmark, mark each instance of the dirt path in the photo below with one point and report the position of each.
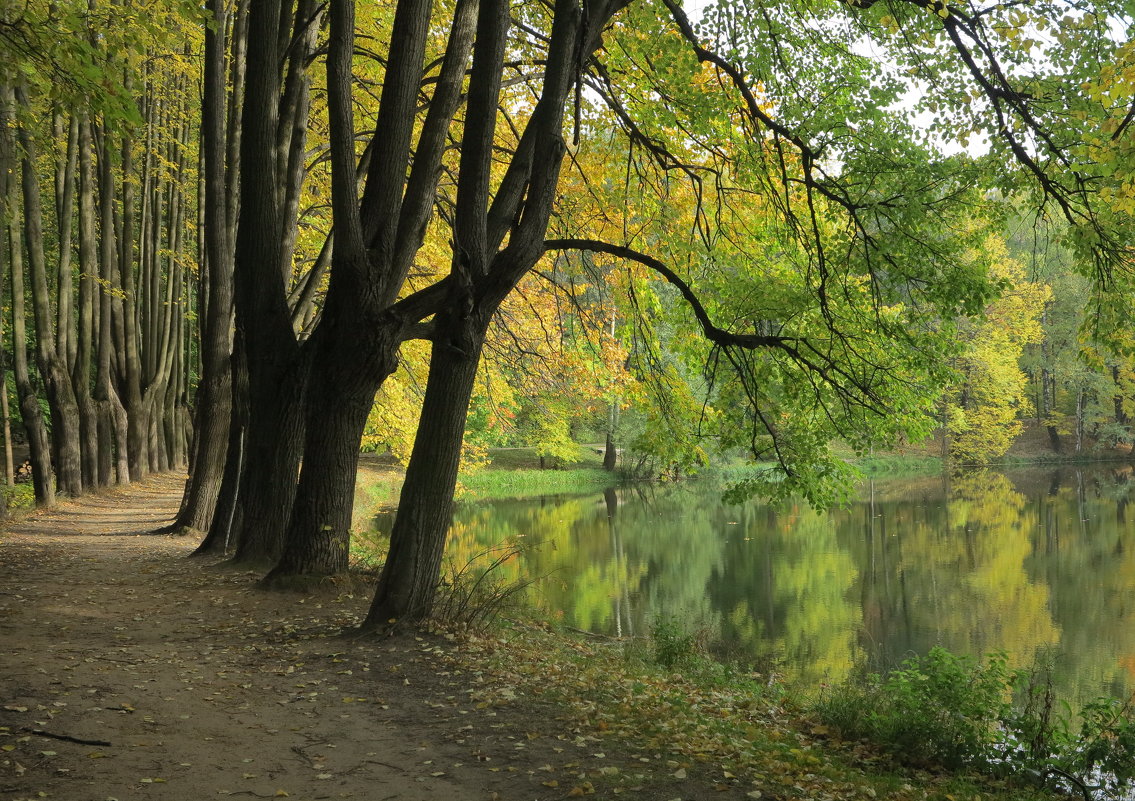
(128, 671)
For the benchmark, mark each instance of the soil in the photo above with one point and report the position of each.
(130, 671)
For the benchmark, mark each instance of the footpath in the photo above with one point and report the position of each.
(130, 671)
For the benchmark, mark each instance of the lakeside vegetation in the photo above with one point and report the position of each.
(942, 728)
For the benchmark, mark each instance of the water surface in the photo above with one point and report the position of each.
(1040, 564)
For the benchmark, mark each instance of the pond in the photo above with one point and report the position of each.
(1038, 563)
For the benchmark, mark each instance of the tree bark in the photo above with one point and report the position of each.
(226, 519)
(276, 375)
(88, 288)
(408, 583)
(319, 532)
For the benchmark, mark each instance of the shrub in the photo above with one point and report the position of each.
(958, 712)
(939, 709)
(672, 646)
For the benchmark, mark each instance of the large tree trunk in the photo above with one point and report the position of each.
(276, 375)
(481, 277)
(354, 347)
(319, 531)
(408, 583)
(214, 391)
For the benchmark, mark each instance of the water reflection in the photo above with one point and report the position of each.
(1036, 563)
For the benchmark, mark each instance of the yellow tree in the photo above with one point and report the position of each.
(984, 408)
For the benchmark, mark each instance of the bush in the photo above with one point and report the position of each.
(939, 709)
(957, 712)
(16, 496)
(671, 645)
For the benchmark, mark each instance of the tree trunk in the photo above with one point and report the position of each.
(66, 440)
(610, 455)
(38, 442)
(408, 583)
(214, 390)
(88, 288)
(113, 464)
(319, 532)
(227, 517)
(129, 350)
(276, 374)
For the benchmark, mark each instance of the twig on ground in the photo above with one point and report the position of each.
(66, 737)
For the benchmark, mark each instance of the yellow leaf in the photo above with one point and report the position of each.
(282, 794)
(551, 783)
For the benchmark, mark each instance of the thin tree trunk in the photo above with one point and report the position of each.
(38, 442)
(113, 462)
(137, 430)
(226, 519)
(88, 288)
(66, 438)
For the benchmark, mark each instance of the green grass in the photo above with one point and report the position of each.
(516, 483)
(527, 459)
(897, 465)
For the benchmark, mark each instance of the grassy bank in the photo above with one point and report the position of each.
(509, 473)
(692, 720)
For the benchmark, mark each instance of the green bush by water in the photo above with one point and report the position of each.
(957, 712)
(671, 645)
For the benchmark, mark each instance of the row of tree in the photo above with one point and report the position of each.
(259, 208)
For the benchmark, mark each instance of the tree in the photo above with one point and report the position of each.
(214, 400)
(86, 107)
(866, 252)
(983, 410)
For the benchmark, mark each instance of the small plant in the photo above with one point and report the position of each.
(16, 496)
(472, 594)
(1107, 745)
(672, 646)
